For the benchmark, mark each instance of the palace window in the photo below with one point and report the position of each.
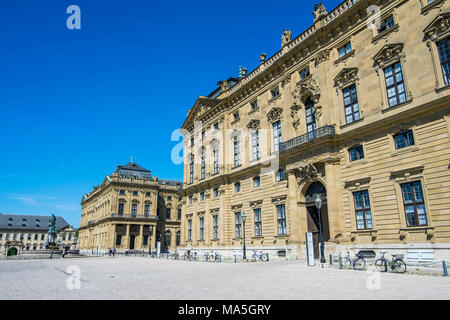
(351, 104)
(122, 192)
(277, 135)
(168, 238)
(178, 238)
(444, 55)
(236, 153)
(169, 198)
(310, 115)
(345, 49)
(356, 153)
(15, 236)
(304, 73)
(118, 240)
(134, 209)
(192, 142)
(238, 225)
(280, 175)
(216, 126)
(275, 92)
(42, 236)
(236, 116)
(203, 174)
(255, 145)
(216, 227)
(169, 213)
(237, 187)
(216, 192)
(191, 172)
(414, 203)
(256, 182)
(147, 210)
(258, 222)
(191, 199)
(395, 84)
(7, 236)
(386, 24)
(202, 196)
(135, 193)
(254, 105)
(189, 230)
(203, 135)
(362, 210)
(147, 194)
(1, 236)
(202, 228)
(179, 214)
(403, 139)
(281, 218)
(35, 237)
(144, 240)
(216, 161)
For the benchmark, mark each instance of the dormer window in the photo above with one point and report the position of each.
(236, 115)
(254, 105)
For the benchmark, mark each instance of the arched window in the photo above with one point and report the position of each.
(178, 239)
(310, 115)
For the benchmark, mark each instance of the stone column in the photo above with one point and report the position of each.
(140, 238)
(295, 216)
(127, 237)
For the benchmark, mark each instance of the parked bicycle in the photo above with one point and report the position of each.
(175, 256)
(214, 257)
(396, 265)
(190, 256)
(259, 255)
(358, 263)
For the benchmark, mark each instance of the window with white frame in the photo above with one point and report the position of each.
(216, 161)
(362, 210)
(203, 167)
(345, 49)
(281, 219)
(395, 85)
(414, 204)
(351, 104)
(255, 145)
(202, 228)
(216, 227)
(189, 230)
(236, 153)
(276, 135)
(238, 225)
(258, 222)
(444, 56)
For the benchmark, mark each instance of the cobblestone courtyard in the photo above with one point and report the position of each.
(144, 278)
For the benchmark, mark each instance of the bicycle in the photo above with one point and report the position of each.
(214, 257)
(259, 255)
(397, 264)
(175, 256)
(358, 263)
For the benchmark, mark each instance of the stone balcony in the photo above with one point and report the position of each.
(308, 137)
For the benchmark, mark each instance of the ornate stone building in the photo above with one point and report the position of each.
(354, 110)
(131, 210)
(27, 233)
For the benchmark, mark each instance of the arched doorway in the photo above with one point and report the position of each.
(317, 188)
(12, 252)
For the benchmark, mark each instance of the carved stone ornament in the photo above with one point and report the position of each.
(274, 115)
(214, 144)
(235, 134)
(346, 77)
(253, 124)
(319, 12)
(305, 89)
(223, 85)
(439, 27)
(295, 115)
(262, 58)
(388, 54)
(322, 57)
(286, 37)
(305, 173)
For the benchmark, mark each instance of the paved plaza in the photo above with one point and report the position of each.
(145, 278)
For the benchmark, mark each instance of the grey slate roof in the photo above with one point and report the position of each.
(134, 169)
(38, 223)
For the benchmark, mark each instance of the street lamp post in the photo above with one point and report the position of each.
(244, 255)
(318, 202)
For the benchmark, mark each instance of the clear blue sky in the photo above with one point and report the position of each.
(74, 103)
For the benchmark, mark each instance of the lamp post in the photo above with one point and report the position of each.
(318, 202)
(244, 255)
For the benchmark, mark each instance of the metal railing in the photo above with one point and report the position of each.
(134, 216)
(307, 137)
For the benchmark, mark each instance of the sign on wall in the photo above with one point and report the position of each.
(309, 249)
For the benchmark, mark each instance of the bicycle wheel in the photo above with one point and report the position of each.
(359, 264)
(254, 258)
(381, 265)
(264, 257)
(346, 263)
(212, 258)
(399, 266)
(191, 258)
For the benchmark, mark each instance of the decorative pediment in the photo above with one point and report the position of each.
(256, 204)
(253, 124)
(274, 114)
(236, 207)
(235, 134)
(439, 27)
(322, 57)
(279, 199)
(405, 173)
(357, 182)
(388, 54)
(345, 77)
(214, 144)
(214, 211)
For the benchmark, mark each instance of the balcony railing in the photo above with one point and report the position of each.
(134, 216)
(307, 137)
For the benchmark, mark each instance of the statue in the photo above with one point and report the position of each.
(286, 37)
(319, 12)
(51, 242)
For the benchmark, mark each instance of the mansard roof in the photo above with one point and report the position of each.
(27, 222)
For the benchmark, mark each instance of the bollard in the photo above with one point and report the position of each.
(340, 262)
(235, 259)
(267, 256)
(331, 259)
(444, 266)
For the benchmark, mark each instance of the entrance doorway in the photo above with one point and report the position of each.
(132, 239)
(12, 252)
(317, 188)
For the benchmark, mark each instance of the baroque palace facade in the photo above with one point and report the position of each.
(354, 110)
(131, 210)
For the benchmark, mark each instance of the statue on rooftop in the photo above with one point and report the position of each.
(286, 37)
(319, 12)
